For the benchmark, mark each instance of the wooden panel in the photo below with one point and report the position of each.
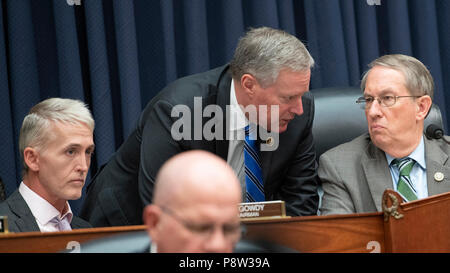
(45, 242)
(423, 227)
(333, 233)
(340, 233)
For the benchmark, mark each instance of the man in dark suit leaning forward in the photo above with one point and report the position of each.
(263, 89)
(397, 96)
(56, 144)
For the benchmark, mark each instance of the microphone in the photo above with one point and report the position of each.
(435, 132)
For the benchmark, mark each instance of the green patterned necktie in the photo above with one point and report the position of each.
(405, 186)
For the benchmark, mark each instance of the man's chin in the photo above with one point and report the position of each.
(74, 194)
(379, 141)
(282, 128)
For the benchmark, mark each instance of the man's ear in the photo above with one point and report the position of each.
(249, 84)
(151, 217)
(423, 106)
(31, 158)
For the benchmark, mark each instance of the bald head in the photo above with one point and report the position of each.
(196, 173)
(195, 205)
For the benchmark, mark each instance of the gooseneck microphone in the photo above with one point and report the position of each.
(435, 132)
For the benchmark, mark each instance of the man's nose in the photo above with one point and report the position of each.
(374, 109)
(297, 108)
(218, 243)
(83, 163)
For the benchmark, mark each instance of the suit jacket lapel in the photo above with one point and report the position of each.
(25, 219)
(266, 156)
(223, 99)
(437, 161)
(78, 223)
(377, 173)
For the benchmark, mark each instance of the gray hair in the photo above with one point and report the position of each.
(34, 127)
(263, 52)
(418, 79)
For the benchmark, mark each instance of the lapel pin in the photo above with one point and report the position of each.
(438, 176)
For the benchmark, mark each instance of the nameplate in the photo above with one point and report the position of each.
(262, 210)
(3, 224)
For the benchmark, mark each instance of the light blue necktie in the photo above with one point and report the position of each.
(253, 173)
(61, 224)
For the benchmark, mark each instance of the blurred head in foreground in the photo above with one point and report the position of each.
(195, 205)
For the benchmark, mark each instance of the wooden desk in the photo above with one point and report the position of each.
(45, 242)
(335, 233)
(344, 233)
(424, 226)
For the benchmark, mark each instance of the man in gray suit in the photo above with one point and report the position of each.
(397, 96)
(56, 144)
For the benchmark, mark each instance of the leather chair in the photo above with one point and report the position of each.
(132, 242)
(339, 119)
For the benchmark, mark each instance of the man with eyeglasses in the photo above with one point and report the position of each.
(195, 205)
(397, 96)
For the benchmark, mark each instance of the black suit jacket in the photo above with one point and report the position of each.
(125, 184)
(20, 218)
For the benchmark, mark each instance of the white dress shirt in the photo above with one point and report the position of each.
(418, 173)
(237, 122)
(44, 212)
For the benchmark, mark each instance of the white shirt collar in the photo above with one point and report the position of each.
(41, 209)
(238, 121)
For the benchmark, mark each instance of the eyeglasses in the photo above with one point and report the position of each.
(205, 230)
(387, 100)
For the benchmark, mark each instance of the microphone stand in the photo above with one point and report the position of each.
(435, 132)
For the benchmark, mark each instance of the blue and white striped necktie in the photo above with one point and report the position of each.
(253, 173)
